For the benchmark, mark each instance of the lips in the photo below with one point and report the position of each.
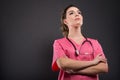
(77, 18)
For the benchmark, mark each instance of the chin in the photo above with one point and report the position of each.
(78, 24)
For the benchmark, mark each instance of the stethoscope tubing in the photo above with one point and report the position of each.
(77, 52)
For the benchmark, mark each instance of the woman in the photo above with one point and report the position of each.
(77, 57)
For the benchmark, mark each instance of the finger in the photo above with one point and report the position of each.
(99, 55)
(104, 60)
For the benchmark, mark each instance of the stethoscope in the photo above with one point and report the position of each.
(77, 52)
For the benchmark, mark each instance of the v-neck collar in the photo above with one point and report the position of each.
(75, 43)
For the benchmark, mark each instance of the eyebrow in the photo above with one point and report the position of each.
(73, 11)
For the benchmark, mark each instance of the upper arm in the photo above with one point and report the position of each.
(58, 52)
(98, 49)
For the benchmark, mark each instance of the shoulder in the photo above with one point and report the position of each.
(93, 40)
(60, 40)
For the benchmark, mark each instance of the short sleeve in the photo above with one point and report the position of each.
(98, 49)
(57, 53)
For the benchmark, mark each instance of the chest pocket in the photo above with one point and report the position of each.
(86, 52)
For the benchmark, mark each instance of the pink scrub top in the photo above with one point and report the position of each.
(62, 47)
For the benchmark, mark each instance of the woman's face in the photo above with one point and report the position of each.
(73, 17)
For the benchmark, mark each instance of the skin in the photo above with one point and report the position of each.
(74, 21)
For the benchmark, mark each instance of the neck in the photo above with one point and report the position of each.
(75, 33)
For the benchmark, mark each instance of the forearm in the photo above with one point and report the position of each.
(70, 64)
(92, 70)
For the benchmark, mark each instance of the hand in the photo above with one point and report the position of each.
(69, 71)
(99, 58)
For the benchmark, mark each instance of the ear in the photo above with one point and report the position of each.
(65, 21)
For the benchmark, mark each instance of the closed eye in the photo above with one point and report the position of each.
(70, 13)
(79, 12)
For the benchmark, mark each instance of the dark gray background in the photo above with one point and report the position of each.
(28, 29)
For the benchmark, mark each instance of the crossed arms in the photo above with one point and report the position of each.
(96, 66)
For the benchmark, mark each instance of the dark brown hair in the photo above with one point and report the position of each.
(64, 27)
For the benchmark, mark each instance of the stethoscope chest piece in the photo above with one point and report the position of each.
(77, 52)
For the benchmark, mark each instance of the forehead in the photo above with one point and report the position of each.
(72, 9)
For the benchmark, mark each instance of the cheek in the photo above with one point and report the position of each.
(69, 20)
(81, 21)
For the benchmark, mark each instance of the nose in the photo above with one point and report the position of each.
(76, 14)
